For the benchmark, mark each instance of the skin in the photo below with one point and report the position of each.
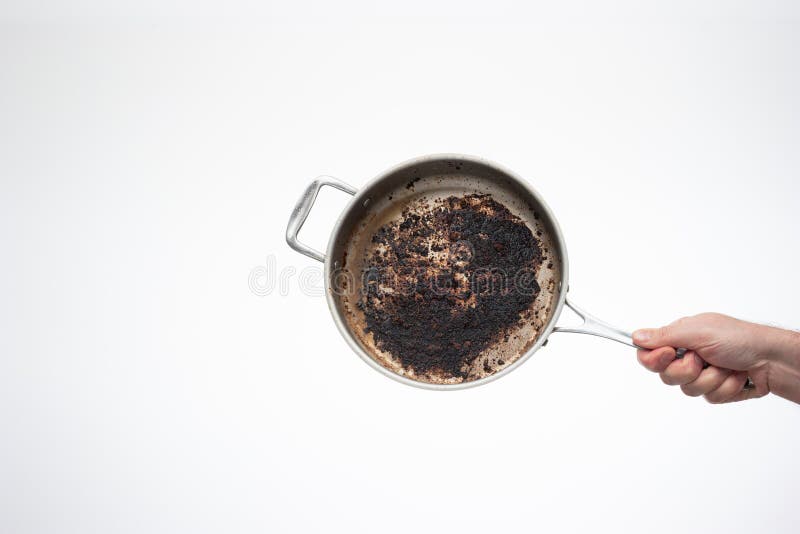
(734, 350)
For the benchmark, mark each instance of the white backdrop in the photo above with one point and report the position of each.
(150, 155)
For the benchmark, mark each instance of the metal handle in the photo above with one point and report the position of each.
(593, 326)
(303, 208)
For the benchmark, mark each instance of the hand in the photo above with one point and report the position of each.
(734, 350)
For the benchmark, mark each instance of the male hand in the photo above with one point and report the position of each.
(734, 350)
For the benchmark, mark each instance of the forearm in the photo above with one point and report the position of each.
(782, 354)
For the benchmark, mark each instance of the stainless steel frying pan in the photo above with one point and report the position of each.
(438, 176)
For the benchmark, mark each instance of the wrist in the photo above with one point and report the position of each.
(779, 346)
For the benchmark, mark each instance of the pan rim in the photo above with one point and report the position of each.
(358, 198)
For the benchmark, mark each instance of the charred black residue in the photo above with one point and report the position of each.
(410, 184)
(442, 283)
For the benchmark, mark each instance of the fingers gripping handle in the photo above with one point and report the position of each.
(593, 326)
(303, 208)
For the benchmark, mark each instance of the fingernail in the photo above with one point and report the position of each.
(666, 358)
(641, 336)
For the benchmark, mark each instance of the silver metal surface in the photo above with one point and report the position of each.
(303, 208)
(353, 215)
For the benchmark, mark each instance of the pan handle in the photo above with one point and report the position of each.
(303, 208)
(595, 327)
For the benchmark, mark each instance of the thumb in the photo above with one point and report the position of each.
(677, 334)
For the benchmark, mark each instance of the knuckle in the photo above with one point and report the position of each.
(668, 378)
(686, 370)
(681, 323)
(709, 318)
(720, 395)
(716, 397)
(647, 361)
(701, 327)
(705, 316)
(690, 391)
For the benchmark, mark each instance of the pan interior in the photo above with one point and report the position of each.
(419, 188)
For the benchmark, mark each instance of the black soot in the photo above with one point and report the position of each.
(446, 281)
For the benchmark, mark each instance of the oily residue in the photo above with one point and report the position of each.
(447, 280)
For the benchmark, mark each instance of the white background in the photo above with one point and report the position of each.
(150, 155)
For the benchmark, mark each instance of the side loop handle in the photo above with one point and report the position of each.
(303, 208)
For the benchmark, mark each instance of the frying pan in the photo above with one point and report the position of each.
(432, 177)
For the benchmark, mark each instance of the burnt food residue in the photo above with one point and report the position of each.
(447, 280)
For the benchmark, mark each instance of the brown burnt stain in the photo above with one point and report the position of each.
(441, 285)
